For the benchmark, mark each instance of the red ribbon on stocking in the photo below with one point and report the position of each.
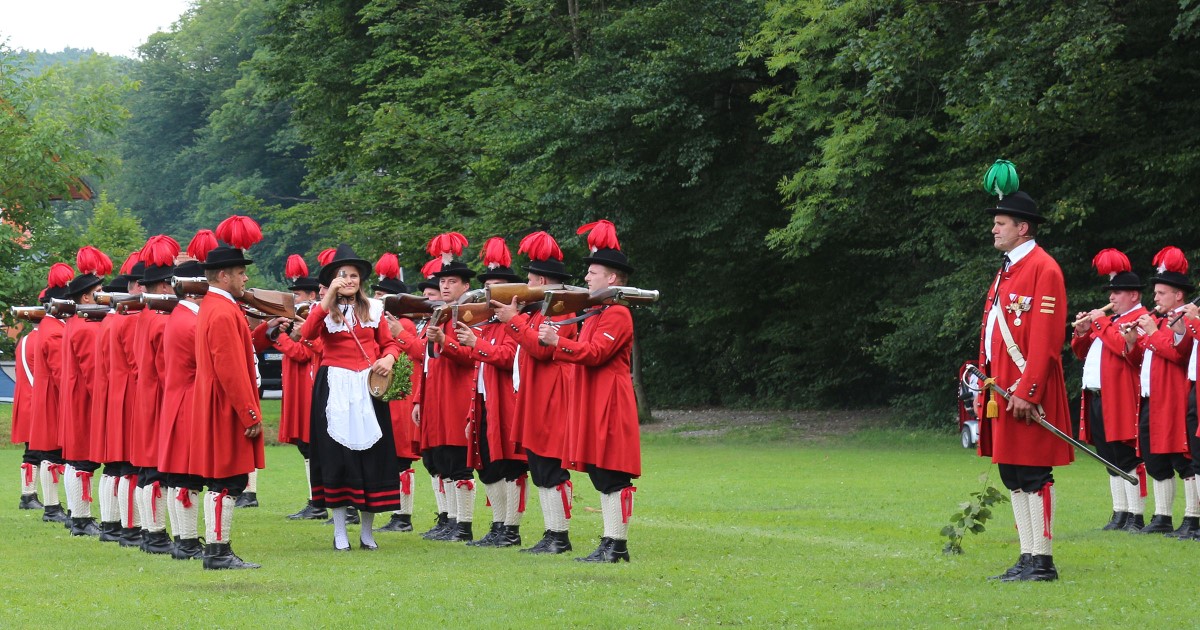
(219, 510)
(521, 486)
(567, 496)
(406, 478)
(1047, 508)
(627, 503)
(184, 496)
(85, 478)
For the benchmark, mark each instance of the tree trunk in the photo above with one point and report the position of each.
(573, 11)
(639, 387)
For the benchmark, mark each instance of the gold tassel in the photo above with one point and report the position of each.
(993, 409)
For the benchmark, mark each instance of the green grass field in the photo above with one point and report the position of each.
(749, 528)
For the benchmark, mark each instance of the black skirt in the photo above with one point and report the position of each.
(368, 480)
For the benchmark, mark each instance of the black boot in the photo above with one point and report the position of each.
(461, 533)
(221, 556)
(310, 513)
(1186, 529)
(187, 549)
(510, 536)
(1015, 569)
(246, 499)
(540, 546)
(30, 502)
(84, 527)
(448, 531)
(438, 527)
(110, 531)
(1160, 524)
(1039, 569)
(55, 514)
(399, 523)
(600, 553)
(1134, 523)
(156, 542)
(131, 537)
(489, 539)
(560, 543)
(1117, 522)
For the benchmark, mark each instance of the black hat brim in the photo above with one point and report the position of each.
(81, 283)
(539, 268)
(609, 259)
(1171, 279)
(305, 284)
(499, 273)
(154, 274)
(1017, 214)
(326, 275)
(457, 269)
(390, 285)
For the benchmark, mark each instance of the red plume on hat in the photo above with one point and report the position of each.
(93, 261)
(133, 259)
(160, 250)
(388, 266)
(431, 267)
(1110, 262)
(326, 256)
(295, 268)
(495, 253)
(239, 231)
(60, 275)
(602, 234)
(1171, 258)
(203, 242)
(447, 246)
(540, 246)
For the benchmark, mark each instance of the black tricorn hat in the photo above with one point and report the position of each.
(609, 257)
(1019, 205)
(343, 256)
(455, 268)
(55, 293)
(390, 285)
(189, 269)
(550, 268)
(117, 285)
(135, 274)
(305, 284)
(499, 273)
(1173, 279)
(157, 273)
(1125, 281)
(81, 283)
(225, 256)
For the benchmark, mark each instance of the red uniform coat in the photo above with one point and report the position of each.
(1169, 387)
(1120, 377)
(75, 394)
(1040, 337)
(495, 352)
(151, 367)
(406, 434)
(47, 375)
(22, 406)
(602, 428)
(100, 369)
(447, 393)
(122, 388)
(543, 397)
(179, 385)
(300, 362)
(226, 396)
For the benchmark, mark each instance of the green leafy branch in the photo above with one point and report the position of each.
(972, 515)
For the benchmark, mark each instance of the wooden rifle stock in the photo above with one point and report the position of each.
(29, 313)
(108, 299)
(191, 286)
(61, 309)
(403, 304)
(471, 314)
(570, 301)
(271, 303)
(159, 302)
(472, 297)
(92, 312)
(525, 294)
(303, 309)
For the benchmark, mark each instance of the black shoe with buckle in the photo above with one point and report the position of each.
(398, 523)
(246, 499)
(30, 502)
(1015, 569)
(221, 556)
(310, 513)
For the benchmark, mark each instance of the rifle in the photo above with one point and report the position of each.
(61, 309)
(159, 302)
(525, 294)
(191, 286)
(129, 304)
(571, 301)
(471, 314)
(92, 312)
(303, 309)
(403, 304)
(472, 297)
(271, 303)
(29, 313)
(108, 299)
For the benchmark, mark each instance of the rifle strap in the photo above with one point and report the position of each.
(577, 319)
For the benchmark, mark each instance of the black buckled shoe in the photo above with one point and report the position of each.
(610, 551)
(560, 542)
(540, 546)
(156, 542)
(246, 499)
(1117, 522)
(187, 549)
(448, 531)
(600, 552)
(1160, 524)
(110, 531)
(30, 502)
(510, 536)
(1187, 529)
(84, 527)
(438, 526)
(1039, 569)
(398, 523)
(310, 513)
(221, 556)
(55, 514)
(1015, 569)
(489, 539)
(461, 533)
(131, 537)
(1134, 523)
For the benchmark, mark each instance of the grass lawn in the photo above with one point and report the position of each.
(748, 527)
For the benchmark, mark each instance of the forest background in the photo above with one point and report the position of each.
(800, 179)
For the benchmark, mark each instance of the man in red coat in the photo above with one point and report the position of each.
(227, 437)
(1163, 434)
(603, 436)
(442, 408)
(120, 413)
(75, 405)
(494, 449)
(22, 419)
(1111, 366)
(44, 436)
(104, 366)
(1027, 301)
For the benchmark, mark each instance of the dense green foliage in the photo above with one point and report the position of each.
(799, 177)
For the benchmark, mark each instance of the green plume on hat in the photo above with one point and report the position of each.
(1001, 179)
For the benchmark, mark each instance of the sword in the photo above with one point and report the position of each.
(1040, 418)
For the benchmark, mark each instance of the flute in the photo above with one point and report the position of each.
(1176, 318)
(1106, 308)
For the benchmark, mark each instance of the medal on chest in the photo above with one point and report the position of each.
(1018, 304)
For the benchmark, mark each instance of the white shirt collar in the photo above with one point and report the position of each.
(1135, 307)
(195, 308)
(1021, 251)
(221, 292)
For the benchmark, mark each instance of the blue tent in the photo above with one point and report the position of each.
(7, 384)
